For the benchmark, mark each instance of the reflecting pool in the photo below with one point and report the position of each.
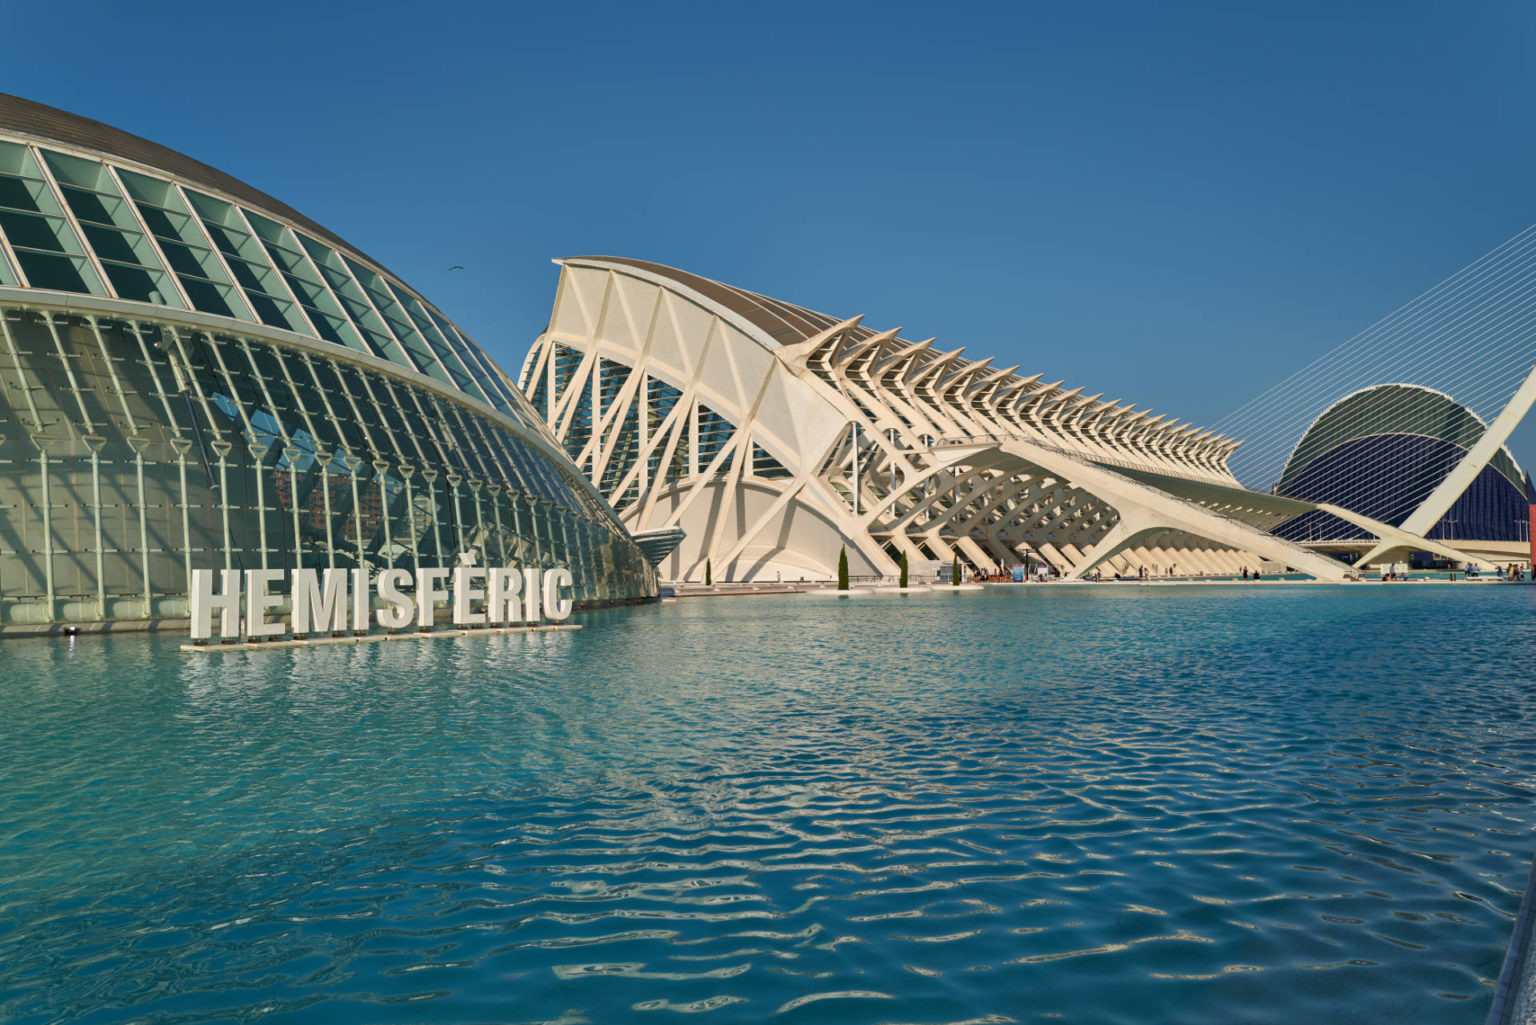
(1077, 804)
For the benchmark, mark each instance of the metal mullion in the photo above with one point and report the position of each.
(431, 354)
(474, 457)
(389, 386)
(432, 325)
(266, 393)
(234, 392)
(149, 364)
(117, 384)
(390, 431)
(21, 372)
(432, 431)
(154, 242)
(325, 286)
(193, 382)
(135, 442)
(470, 452)
(36, 433)
(289, 448)
(49, 318)
(218, 254)
(298, 399)
(8, 257)
(430, 473)
(218, 433)
(325, 399)
(403, 467)
(250, 232)
(512, 470)
(417, 455)
(74, 225)
(405, 351)
(357, 413)
(253, 441)
(322, 457)
(179, 444)
(479, 359)
(346, 447)
(362, 426)
(373, 300)
(492, 448)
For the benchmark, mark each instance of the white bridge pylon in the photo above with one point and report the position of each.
(1455, 366)
(1141, 511)
(775, 436)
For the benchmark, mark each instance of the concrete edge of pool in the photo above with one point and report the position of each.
(412, 635)
(1514, 996)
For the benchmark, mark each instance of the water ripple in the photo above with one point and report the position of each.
(1114, 806)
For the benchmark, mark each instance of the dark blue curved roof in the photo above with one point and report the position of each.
(1386, 477)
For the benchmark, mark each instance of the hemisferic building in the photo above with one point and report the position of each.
(193, 375)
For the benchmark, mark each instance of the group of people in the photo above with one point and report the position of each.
(1145, 573)
(1513, 572)
(1040, 572)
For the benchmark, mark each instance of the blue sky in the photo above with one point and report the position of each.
(1172, 203)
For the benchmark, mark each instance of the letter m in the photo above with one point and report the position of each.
(318, 609)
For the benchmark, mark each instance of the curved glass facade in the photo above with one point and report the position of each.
(1382, 451)
(192, 380)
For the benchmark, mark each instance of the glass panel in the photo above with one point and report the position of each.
(263, 286)
(470, 356)
(439, 346)
(86, 174)
(320, 307)
(129, 259)
(49, 252)
(185, 246)
(764, 465)
(663, 399)
(31, 231)
(59, 273)
(714, 432)
(421, 354)
(355, 303)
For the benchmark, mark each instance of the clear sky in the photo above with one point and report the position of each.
(1174, 204)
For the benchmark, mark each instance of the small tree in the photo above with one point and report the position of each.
(903, 569)
(954, 573)
(709, 575)
(842, 568)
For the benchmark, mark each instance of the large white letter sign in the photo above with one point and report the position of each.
(204, 601)
(465, 592)
(429, 591)
(317, 611)
(399, 610)
(531, 595)
(556, 607)
(502, 605)
(258, 601)
(361, 600)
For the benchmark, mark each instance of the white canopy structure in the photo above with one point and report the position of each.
(774, 436)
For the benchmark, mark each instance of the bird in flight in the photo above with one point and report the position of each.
(457, 266)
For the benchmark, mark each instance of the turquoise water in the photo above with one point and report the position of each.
(1081, 804)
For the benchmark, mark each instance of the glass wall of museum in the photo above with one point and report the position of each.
(133, 452)
(79, 225)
